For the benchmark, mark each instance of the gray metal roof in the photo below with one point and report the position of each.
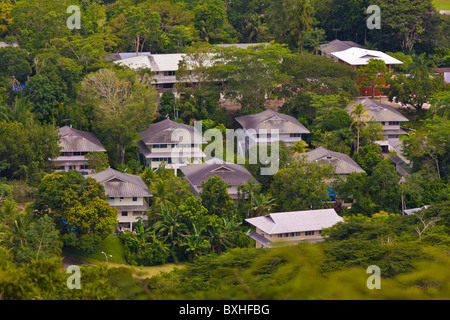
(338, 45)
(342, 162)
(270, 120)
(378, 111)
(165, 131)
(119, 184)
(296, 221)
(233, 174)
(73, 140)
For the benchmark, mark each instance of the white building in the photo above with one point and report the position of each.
(267, 127)
(390, 119)
(287, 228)
(76, 144)
(127, 193)
(170, 143)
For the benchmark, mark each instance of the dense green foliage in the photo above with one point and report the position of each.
(57, 76)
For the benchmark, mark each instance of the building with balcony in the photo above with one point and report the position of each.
(75, 145)
(390, 119)
(127, 193)
(290, 228)
(171, 144)
(268, 126)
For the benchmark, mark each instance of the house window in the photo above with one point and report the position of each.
(394, 123)
(134, 198)
(124, 214)
(309, 233)
(295, 135)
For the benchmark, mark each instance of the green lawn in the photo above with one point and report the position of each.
(112, 245)
(442, 4)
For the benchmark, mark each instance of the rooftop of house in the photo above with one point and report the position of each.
(378, 111)
(296, 221)
(271, 120)
(358, 56)
(119, 184)
(155, 62)
(343, 163)
(171, 132)
(125, 55)
(337, 45)
(73, 140)
(233, 174)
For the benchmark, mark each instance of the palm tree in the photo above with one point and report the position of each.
(262, 204)
(420, 67)
(19, 112)
(195, 243)
(357, 115)
(300, 147)
(170, 225)
(159, 191)
(341, 139)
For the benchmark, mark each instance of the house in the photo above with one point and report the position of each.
(268, 126)
(389, 117)
(127, 193)
(287, 228)
(352, 54)
(75, 144)
(344, 165)
(164, 67)
(444, 73)
(233, 174)
(170, 143)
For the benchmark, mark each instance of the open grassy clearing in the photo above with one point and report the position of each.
(442, 4)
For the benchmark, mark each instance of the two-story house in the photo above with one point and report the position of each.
(389, 117)
(172, 144)
(268, 126)
(287, 228)
(233, 174)
(127, 193)
(164, 67)
(75, 145)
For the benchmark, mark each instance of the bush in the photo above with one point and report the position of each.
(88, 243)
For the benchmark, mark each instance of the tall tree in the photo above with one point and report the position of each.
(372, 74)
(142, 25)
(288, 20)
(301, 186)
(124, 103)
(215, 197)
(359, 116)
